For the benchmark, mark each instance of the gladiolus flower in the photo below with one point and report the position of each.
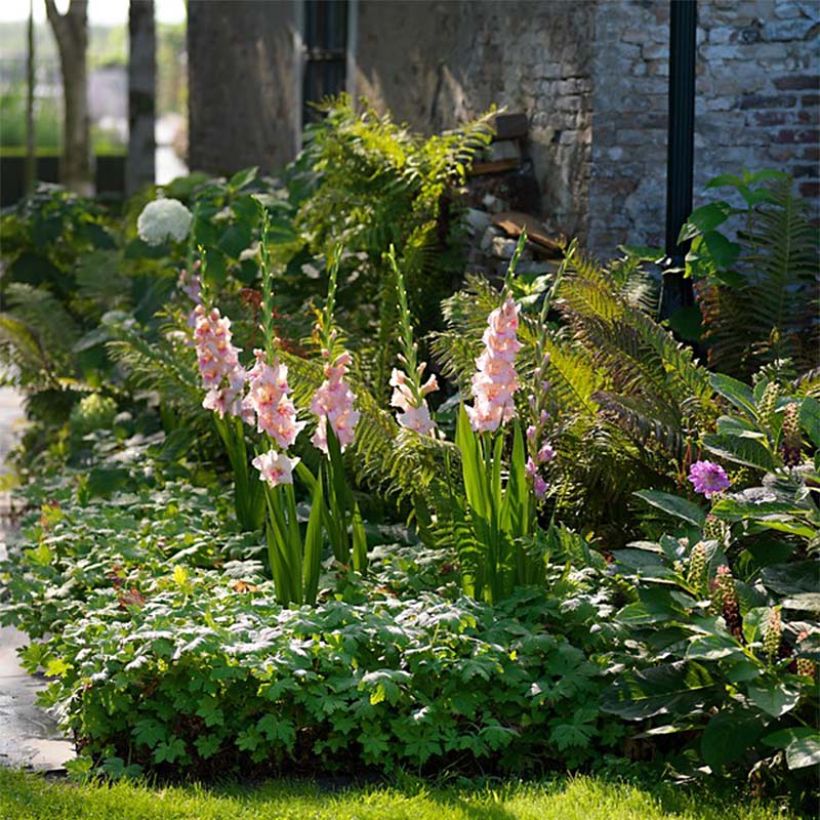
(275, 468)
(708, 478)
(539, 487)
(545, 454)
(219, 366)
(268, 398)
(415, 413)
(333, 402)
(495, 382)
(531, 468)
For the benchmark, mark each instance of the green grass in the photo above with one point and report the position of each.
(25, 797)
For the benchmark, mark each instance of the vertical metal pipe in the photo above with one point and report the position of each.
(677, 291)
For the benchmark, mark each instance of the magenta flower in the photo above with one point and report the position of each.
(708, 478)
(539, 487)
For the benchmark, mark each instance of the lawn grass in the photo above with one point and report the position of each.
(26, 797)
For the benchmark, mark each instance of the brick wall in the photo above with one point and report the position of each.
(592, 76)
(756, 106)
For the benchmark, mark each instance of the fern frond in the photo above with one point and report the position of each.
(773, 315)
(38, 330)
(161, 365)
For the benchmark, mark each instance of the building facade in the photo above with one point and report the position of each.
(591, 76)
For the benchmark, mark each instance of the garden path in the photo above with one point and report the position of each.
(28, 735)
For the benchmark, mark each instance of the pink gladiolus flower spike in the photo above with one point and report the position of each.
(218, 361)
(333, 402)
(268, 398)
(496, 381)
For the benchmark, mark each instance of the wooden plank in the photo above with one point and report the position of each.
(498, 166)
(513, 222)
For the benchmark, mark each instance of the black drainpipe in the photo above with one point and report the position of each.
(677, 291)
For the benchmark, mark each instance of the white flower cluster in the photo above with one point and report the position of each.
(164, 219)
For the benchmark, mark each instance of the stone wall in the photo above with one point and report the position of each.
(434, 64)
(592, 76)
(756, 106)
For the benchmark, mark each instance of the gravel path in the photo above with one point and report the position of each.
(28, 735)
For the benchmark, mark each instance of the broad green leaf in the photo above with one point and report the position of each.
(723, 251)
(667, 689)
(739, 394)
(704, 219)
(724, 181)
(747, 451)
(803, 752)
(675, 506)
(810, 419)
(728, 735)
(775, 699)
(783, 737)
(736, 509)
(713, 648)
(792, 579)
(805, 602)
(242, 178)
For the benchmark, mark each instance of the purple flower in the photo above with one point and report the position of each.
(532, 432)
(531, 468)
(545, 454)
(708, 478)
(539, 487)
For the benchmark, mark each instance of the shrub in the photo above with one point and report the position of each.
(725, 620)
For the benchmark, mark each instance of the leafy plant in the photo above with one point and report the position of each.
(369, 184)
(757, 291)
(726, 609)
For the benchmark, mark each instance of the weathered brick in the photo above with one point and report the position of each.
(767, 101)
(794, 29)
(770, 117)
(803, 171)
(797, 83)
(810, 189)
(808, 100)
(788, 135)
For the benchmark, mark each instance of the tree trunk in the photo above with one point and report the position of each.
(243, 94)
(71, 32)
(141, 95)
(31, 157)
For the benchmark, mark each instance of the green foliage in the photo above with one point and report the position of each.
(726, 616)
(154, 643)
(625, 398)
(758, 294)
(369, 184)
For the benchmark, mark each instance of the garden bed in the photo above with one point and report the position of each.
(304, 496)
